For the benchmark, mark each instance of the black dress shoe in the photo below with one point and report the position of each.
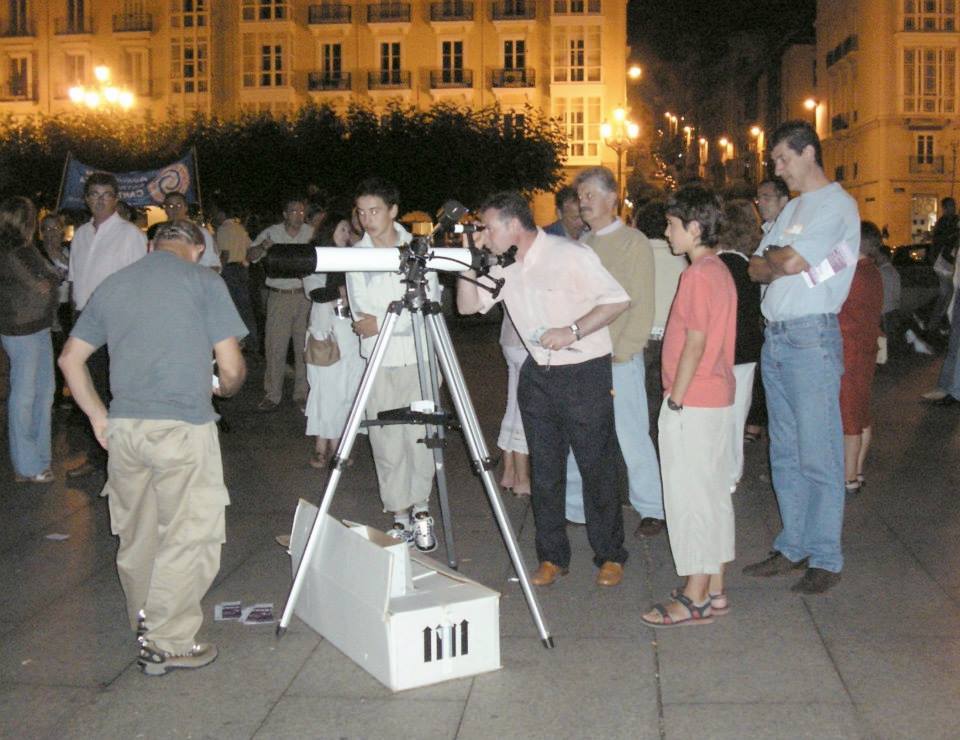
(947, 400)
(775, 565)
(649, 527)
(816, 581)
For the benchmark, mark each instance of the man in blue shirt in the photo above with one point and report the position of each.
(808, 258)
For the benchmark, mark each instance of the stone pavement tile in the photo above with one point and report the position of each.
(905, 688)
(304, 717)
(770, 721)
(601, 688)
(39, 711)
(228, 699)
(30, 510)
(82, 639)
(328, 673)
(741, 656)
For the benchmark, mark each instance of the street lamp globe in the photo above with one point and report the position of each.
(810, 103)
(101, 73)
(754, 131)
(635, 72)
(724, 141)
(619, 114)
(633, 130)
(606, 130)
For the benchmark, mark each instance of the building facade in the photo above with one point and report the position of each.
(887, 106)
(564, 57)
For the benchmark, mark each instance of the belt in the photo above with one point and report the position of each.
(814, 319)
(286, 290)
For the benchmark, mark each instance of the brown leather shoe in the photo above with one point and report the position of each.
(610, 574)
(547, 573)
(649, 527)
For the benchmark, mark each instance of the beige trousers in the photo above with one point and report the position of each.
(167, 498)
(287, 316)
(404, 467)
(695, 464)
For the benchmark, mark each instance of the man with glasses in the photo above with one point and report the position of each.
(100, 247)
(177, 209)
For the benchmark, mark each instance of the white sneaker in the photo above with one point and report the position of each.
(423, 536)
(401, 533)
(935, 395)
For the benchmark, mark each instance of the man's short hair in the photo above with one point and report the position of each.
(101, 178)
(698, 203)
(511, 204)
(948, 202)
(174, 195)
(302, 200)
(871, 239)
(778, 185)
(383, 189)
(601, 175)
(564, 195)
(180, 230)
(798, 135)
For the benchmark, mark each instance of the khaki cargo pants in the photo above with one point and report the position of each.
(167, 497)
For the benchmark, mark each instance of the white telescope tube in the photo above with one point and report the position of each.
(378, 259)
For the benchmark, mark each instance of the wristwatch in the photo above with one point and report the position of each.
(673, 405)
(575, 328)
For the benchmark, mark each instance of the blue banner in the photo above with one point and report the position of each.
(138, 188)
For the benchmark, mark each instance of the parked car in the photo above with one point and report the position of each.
(918, 282)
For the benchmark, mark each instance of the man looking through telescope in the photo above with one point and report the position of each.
(404, 466)
(561, 300)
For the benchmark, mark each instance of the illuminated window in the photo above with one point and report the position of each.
(265, 10)
(451, 58)
(332, 61)
(75, 69)
(514, 54)
(581, 120)
(929, 15)
(189, 13)
(576, 54)
(264, 64)
(390, 72)
(929, 80)
(190, 69)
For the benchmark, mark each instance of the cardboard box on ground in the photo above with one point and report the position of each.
(402, 617)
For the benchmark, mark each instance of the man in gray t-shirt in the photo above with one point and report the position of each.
(162, 319)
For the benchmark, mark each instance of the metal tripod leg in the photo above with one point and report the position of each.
(443, 345)
(339, 461)
(430, 388)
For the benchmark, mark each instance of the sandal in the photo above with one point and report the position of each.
(861, 479)
(318, 460)
(719, 603)
(852, 487)
(698, 614)
(752, 436)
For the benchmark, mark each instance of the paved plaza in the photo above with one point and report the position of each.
(877, 657)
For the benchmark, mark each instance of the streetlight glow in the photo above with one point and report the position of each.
(635, 72)
(606, 130)
(724, 141)
(91, 98)
(701, 141)
(619, 114)
(810, 103)
(633, 130)
(101, 73)
(102, 94)
(76, 94)
(754, 131)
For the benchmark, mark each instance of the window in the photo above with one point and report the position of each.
(929, 80)
(189, 13)
(332, 61)
(513, 124)
(265, 10)
(190, 73)
(390, 73)
(19, 76)
(74, 69)
(18, 17)
(924, 148)
(263, 60)
(515, 54)
(929, 15)
(451, 58)
(580, 118)
(136, 70)
(571, 7)
(75, 15)
(577, 55)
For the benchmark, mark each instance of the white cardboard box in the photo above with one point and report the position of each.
(402, 617)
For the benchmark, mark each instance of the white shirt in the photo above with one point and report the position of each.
(373, 292)
(667, 267)
(278, 235)
(97, 253)
(211, 255)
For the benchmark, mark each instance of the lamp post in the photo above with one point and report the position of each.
(102, 94)
(759, 136)
(619, 136)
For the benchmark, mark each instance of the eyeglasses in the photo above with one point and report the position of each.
(52, 228)
(101, 196)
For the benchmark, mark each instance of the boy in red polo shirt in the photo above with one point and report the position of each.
(696, 418)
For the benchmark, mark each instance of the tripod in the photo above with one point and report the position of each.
(428, 324)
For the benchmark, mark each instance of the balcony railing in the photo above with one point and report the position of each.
(839, 122)
(18, 90)
(68, 26)
(388, 79)
(451, 10)
(327, 13)
(441, 78)
(576, 7)
(513, 78)
(20, 28)
(328, 81)
(514, 10)
(388, 13)
(926, 165)
(132, 22)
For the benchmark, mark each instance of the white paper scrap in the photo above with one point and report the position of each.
(257, 614)
(57, 537)
(228, 611)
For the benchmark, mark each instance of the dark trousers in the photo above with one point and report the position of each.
(568, 407)
(238, 283)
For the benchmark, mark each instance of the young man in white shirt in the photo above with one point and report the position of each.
(404, 466)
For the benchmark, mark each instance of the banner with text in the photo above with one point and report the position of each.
(137, 188)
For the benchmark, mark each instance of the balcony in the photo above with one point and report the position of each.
(326, 81)
(73, 26)
(132, 23)
(514, 10)
(389, 79)
(839, 122)
(451, 10)
(12, 91)
(327, 13)
(926, 165)
(441, 79)
(388, 13)
(576, 7)
(19, 29)
(513, 78)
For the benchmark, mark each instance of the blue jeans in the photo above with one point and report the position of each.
(802, 362)
(631, 416)
(29, 405)
(950, 372)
